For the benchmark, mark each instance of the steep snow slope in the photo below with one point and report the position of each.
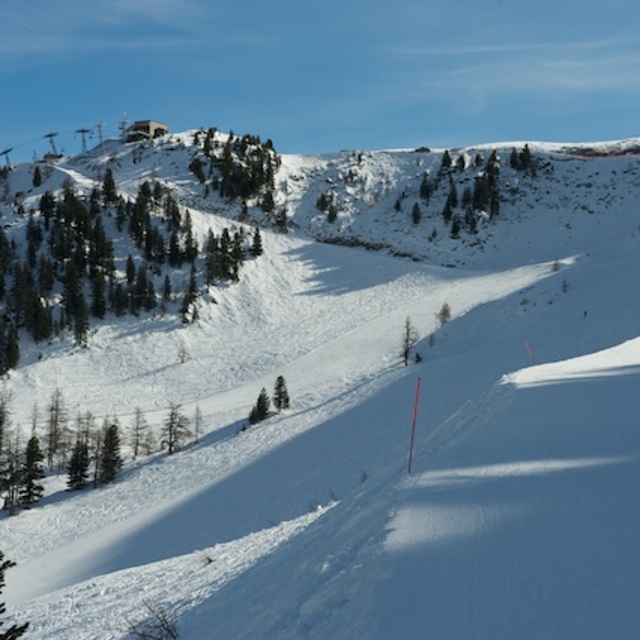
(518, 520)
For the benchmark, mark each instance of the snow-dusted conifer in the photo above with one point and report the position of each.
(31, 490)
(78, 470)
(280, 394)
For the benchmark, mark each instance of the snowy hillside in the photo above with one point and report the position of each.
(519, 518)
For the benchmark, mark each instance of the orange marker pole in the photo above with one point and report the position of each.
(413, 425)
(528, 348)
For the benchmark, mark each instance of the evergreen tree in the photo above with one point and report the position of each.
(260, 410)
(196, 167)
(282, 221)
(120, 300)
(237, 255)
(224, 259)
(446, 161)
(175, 253)
(109, 191)
(130, 270)
(455, 228)
(426, 189)
(416, 214)
(211, 256)
(78, 470)
(525, 158)
(37, 176)
(467, 197)
(280, 394)
(12, 349)
(453, 193)
(166, 289)
(256, 243)
(32, 472)
(446, 211)
(189, 311)
(190, 242)
(268, 203)
(15, 631)
(99, 300)
(110, 460)
(72, 290)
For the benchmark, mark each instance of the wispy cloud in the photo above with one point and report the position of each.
(69, 26)
(480, 74)
(546, 48)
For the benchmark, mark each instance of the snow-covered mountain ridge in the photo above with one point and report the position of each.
(518, 519)
(374, 192)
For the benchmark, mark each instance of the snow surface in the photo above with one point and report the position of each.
(520, 517)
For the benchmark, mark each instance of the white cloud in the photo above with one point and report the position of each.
(68, 26)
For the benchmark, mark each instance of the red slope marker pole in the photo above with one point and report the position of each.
(529, 351)
(413, 425)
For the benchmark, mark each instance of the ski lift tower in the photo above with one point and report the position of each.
(5, 153)
(123, 126)
(51, 136)
(83, 133)
(99, 126)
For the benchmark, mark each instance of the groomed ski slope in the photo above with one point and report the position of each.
(518, 521)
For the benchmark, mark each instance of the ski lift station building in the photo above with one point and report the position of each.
(146, 130)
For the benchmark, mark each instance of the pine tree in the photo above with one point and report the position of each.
(446, 211)
(514, 160)
(12, 352)
(130, 271)
(110, 460)
(453, 193)
(15, 631)
(416, 214)
(78, 470)
(256, 243)
(455, 229)
(280, 394)
(98, 301)
(426, 188)
(260, 410)
(109, 191)
(446, 161)
(37, 176)
(32, 472)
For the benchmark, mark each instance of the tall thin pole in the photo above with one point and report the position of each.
(530, 352)
(99, 126)
(413, 425)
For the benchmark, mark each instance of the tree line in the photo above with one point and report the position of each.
(90, 454)
(64, 273)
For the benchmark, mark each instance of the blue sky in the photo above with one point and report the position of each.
(322, 76)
